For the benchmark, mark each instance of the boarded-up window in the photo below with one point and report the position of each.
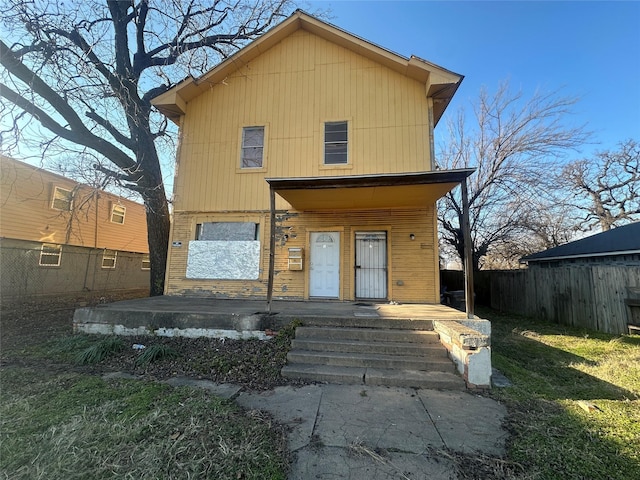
(252, 147)
(62, 199)
(50, 255)
(335, 143)
(146, 262)
(225, 250)
(227, 231)
(109, 259)
(117, 214)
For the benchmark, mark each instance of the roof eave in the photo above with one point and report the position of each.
(375, 180)
(577, 255)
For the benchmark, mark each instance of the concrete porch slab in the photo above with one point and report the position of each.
(243, 318)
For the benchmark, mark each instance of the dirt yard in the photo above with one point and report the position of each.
(26, 326)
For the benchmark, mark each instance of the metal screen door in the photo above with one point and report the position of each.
(371, 265)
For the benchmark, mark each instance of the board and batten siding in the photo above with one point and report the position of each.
(412, 264)
(293, 89)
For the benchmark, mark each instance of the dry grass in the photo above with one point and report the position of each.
(360, 449)
(482, 467)
(74, 426)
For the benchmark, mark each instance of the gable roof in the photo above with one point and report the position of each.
(622, 240)
(441, 83)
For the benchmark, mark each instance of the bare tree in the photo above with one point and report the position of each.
(606, 189)
(513, 143)
(86, 71)
(547, 223)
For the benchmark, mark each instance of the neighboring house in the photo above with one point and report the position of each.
(60, 236)
(593, 282)
(320, 144)
(620, 245)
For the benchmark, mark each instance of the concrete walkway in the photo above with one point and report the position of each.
(372, 433)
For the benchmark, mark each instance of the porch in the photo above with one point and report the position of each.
(167, 313)
(347, 339)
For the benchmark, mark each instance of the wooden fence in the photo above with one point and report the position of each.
(589, 296)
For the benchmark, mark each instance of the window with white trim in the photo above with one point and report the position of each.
(252, 147)
(146, 262)
(336, 143)
(117, 213)
(62, 199)
(50, 255)
(109, 259)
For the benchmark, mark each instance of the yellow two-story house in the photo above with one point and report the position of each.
(306, 170)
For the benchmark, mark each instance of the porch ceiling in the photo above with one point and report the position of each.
(367, 191)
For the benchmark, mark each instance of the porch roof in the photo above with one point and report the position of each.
(392, 190)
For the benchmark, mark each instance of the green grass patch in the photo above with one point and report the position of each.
(76, 426)
(556, 371)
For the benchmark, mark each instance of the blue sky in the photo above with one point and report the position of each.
(587, 49)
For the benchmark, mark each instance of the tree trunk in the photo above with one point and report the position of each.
(151, 187)
(158, 236)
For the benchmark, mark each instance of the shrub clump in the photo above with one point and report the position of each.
(156, 353)
(99, 351)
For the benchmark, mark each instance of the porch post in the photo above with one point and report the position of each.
(468, 252)
(272, 245)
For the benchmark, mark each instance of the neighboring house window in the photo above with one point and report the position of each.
(109, 259)
(335, 143)
(146, 262)
(252, 147)
(50, 255)
(62, 199)
(117, 214)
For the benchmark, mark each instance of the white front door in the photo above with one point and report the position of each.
(371, 265)
(324, 268)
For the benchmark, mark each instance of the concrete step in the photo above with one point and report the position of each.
(368, 335)
(383, 348)
(371, 376)
(350, 359)
(367, 320)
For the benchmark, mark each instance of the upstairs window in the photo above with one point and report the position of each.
(117, 214)
(146, 262)
(109, 259)
(62, 199)
(50, 255)
(335, 143)
(252, 147)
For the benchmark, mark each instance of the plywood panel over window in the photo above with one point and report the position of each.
(224, 250)
(235, 260)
